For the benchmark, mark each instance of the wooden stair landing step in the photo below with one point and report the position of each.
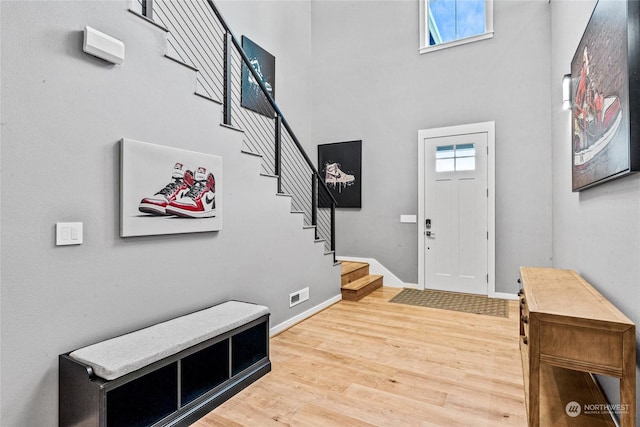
(357, 282)
(353, 271)
(362, 287)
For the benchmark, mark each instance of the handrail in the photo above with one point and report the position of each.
(265, 92)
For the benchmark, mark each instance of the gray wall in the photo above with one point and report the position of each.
(370, 83)
(63, 113)
(595, 232)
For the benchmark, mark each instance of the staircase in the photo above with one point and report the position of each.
(357, 282)
(199, 38)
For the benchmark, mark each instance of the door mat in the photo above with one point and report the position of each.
(467, 303)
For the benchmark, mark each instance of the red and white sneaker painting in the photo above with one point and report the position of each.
(199, 201)
(167, 190)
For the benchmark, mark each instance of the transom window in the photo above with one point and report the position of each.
(447, 23)
(454, 158)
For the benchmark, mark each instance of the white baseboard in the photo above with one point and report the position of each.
(390, 279)
(304, 315)
(503, 295)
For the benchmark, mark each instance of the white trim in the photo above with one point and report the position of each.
(421, 228)
(275, 330)
(454, 43)
(375, 267)
(502, 295)
(491, 207)
(490, 129)
(422, 43)
(424, 30)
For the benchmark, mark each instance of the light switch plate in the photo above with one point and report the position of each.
(68, 233)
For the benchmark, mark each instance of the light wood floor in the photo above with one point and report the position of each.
(374, 363)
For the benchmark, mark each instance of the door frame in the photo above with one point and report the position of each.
(489, 129)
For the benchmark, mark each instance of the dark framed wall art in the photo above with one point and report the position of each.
(340, 164)
(264, 64)
(605, 95)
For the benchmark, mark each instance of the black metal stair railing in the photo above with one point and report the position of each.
(199, 36)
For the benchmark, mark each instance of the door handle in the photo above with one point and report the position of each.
(428, 233)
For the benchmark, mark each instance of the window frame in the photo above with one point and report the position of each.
(425, 47)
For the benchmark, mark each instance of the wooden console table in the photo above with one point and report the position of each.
(568, 330)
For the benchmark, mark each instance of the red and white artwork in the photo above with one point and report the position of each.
(167, 190)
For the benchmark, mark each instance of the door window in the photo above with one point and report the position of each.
(454, 158)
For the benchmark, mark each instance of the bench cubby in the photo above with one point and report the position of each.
(247, 348)
(175, 390)
(199, 375)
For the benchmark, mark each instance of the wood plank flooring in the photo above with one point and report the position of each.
(375, 363)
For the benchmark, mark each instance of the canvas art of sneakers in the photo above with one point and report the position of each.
(181, 181)
(596, 115)
(199, 201)
(335, 177)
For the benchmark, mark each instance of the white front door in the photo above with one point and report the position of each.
(455, 217)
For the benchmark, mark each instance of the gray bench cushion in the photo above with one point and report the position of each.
(124, 354)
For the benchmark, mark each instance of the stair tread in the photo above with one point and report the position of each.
(362, 282)
(351, 266)
(231, 127)
(207, 97)
(150, 21)
(170, 55)
(250, 153)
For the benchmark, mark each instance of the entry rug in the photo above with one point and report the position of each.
(454, 301)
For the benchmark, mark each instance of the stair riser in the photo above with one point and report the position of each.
(355, 275)
(349, 295)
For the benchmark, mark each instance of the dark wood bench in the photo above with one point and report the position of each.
(169, 374)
